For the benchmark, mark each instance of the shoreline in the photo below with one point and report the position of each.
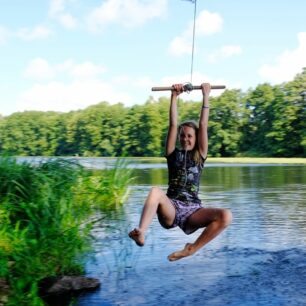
(210, 160)
(235, 160)
(258, 160)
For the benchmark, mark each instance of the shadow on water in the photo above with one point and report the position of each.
(258, 260)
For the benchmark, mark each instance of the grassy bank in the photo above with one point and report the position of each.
(46, 214)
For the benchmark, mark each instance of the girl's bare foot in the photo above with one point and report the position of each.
(187, 251)
(137, 236)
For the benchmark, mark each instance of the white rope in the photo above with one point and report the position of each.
(193, 38)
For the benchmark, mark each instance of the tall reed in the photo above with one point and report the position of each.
(107, 190)
(44, 213)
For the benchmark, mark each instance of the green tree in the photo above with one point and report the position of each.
(96, 130)
(294, 116)
(29, 133)
(225, 123)
(265, 121)
(275, 119)
(260, 112)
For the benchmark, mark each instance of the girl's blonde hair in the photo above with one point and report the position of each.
(196, 156)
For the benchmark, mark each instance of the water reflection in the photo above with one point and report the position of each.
(258, 260)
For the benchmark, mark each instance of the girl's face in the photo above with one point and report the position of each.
(187, 138)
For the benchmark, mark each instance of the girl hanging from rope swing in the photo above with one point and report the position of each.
(181, 206)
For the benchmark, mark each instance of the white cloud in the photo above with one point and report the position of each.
(224, 52)
(79, 86)
(143, 82)
(129, 13)
(38, 32)
(61, 97)
(64, 67)
(56, 6)
(57, 11)
(68, 21)
(4, 35)
(86, 70)
(180, 46)
(287, 64)
(40, 69)
(80, 93)
(207, 23)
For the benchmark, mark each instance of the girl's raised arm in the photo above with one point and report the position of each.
(172, 130)
(203, 123)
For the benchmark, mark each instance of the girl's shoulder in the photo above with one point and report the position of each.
(173, 153)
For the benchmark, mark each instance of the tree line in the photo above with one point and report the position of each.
(264, 121)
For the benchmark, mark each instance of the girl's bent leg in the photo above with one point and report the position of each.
(214, 220)
(157, 201)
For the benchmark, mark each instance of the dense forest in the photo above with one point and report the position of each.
(265, 121)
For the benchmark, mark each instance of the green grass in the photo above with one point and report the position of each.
(39, 219)
(44, 213)
(106, 191)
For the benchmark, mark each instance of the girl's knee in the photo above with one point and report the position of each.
(156, 191)
(226, 217)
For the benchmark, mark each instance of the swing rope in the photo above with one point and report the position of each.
(193, 39)
(188, 87)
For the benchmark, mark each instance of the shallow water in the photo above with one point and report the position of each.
(259, 260)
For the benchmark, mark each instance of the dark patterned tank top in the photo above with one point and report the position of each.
(183, 176)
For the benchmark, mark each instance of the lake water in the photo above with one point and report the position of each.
(259, 260)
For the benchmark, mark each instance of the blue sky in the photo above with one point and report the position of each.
(64, 55)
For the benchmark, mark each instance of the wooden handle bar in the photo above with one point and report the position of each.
(193, 87)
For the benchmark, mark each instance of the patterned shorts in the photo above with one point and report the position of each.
(183, 212)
